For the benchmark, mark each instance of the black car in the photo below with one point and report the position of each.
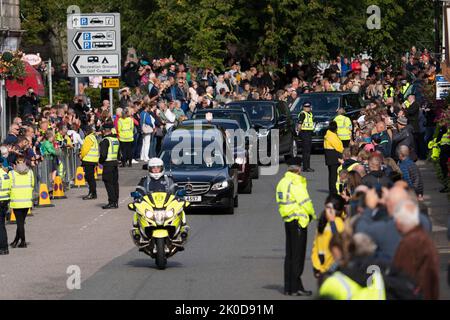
(236, 140)
(243, 120)
(209, 178)
(324, 109)
(267, 116)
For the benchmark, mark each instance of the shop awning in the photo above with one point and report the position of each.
(33, 80)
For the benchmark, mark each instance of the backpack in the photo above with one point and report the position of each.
(399, 286)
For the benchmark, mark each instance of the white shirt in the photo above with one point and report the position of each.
(171, 117)
(76, 138)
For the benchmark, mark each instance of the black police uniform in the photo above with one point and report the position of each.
(148, 184)
(110, 174)
(306, 136)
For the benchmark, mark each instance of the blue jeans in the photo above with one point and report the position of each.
(152, 152)
(137, 146)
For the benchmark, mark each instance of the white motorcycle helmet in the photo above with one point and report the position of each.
(156, 163)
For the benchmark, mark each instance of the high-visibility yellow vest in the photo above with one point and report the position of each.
(340, 168)
(445, 140)
(389, 93)
(435, 149)
(344, 131)
(5, 185)
(405, 88)
(21, 190)
(407, 104)
(340, 287)
(113, 149)
(293, 200)
(93, 155)
(125, 128)
(308, 123)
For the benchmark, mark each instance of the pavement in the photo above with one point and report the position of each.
(236, 257)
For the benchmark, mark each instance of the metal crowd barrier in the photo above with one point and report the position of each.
(43, 171)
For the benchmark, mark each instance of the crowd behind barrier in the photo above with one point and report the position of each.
(375, 185)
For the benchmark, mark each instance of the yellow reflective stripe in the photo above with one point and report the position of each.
(304, 201)
(295, 215)
(13, 184)
(339, 277)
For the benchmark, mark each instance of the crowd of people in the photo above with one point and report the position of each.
(375, 213)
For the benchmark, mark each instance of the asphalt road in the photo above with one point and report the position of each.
(227, 257)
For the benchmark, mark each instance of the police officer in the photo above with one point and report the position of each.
(404, 89)
(444, 143)
(21, 198)
(389, 91)
(125, 131)
(5, 190)
(297, 211)
(89, 156)
(109, 150)
(156, 180)
(345, 127)
(306, 128)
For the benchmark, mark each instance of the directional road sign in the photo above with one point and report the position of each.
(94, 44)
(94, 65)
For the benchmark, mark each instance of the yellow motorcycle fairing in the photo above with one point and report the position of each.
(159, 201)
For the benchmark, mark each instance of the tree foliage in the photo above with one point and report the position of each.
(207, 31)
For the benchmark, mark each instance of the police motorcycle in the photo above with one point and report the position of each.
(158, 224)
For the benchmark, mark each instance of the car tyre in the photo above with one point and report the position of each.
(236, 201)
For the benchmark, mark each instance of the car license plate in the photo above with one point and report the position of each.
(193, 198)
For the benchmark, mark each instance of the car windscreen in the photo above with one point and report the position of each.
(240, 117)
(192, 159)
(319, 103)
(260, 112)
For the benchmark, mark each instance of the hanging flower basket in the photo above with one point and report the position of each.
(12, 66)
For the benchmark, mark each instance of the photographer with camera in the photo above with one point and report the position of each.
(29, 103)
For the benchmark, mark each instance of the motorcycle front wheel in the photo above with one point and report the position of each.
(161, 260)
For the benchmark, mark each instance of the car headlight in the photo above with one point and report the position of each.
(240, 160)
(220, 186)
(169, 214)
(149, 214)
(322, 125)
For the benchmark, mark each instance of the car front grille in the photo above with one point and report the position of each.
(195, 188)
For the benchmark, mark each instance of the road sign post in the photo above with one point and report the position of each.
(94, 43)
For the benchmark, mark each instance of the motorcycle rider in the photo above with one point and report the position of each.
(158, 181)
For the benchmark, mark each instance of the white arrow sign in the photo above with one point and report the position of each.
(95, 40)
(96, 65)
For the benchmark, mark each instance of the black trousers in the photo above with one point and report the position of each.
(89, 174)
(126, 152)
(21, 215)
(295, 256)
(3, 234)
(346, 143)
(332, 178)
(111, 179)
(306, 137)
(443, 158)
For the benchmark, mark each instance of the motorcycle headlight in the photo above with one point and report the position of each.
(220, 186)
(169, 214)
(149, 214)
